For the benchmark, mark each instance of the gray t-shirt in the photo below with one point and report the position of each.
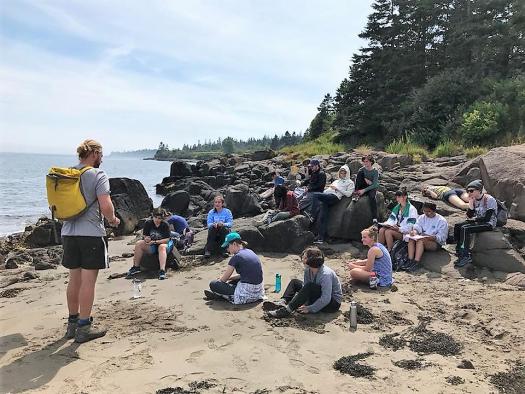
(94, 183)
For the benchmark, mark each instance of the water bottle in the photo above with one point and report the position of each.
(373, 281)
(353, 316)
(277, 283)
(137, 288)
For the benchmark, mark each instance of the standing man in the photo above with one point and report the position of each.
(84, 243)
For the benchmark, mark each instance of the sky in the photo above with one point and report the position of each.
(133, 73)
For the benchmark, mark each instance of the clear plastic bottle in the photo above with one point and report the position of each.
(137, 288)
(373, 281)
(277, 283)
(353, 316)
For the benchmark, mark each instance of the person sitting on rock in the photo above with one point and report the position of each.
(367, 182)
(157, 240)
(320, 292)
(342, 186)
(219, 222)
(181, 231)
(400, 221)
(315, 184)
(245, 287)
(433, 227)
(268, 193)
(288, 208)
(378, 261)
(481, 217)
(455, 197)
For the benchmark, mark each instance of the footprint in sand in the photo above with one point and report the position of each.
(195, 355)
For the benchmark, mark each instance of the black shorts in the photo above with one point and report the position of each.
(89, 253)
(451, 192)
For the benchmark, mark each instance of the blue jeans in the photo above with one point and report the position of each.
(321, 203)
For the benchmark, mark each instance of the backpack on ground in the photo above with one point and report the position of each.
(399, 255)
(64, 192)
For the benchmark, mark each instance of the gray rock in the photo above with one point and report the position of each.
(290, 235)
(241, 202)
(43, 234)
(177, 202)
(131, 202)
(180, 168)
(493, 250)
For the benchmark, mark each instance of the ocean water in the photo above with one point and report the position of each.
(23, 188)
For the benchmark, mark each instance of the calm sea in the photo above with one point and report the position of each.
(22, 183)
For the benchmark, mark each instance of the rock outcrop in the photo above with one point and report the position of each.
(131, 202)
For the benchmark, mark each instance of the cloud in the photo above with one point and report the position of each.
(133, 75)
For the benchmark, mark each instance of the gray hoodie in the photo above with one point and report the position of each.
(342, 187)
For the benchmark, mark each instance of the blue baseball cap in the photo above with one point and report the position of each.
(230, 238)
(278, 181)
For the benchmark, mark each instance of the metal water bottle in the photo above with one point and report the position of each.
(277, 283)
(373, 281)
(137, 288)
(353, 316)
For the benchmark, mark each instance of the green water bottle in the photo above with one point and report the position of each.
(277, 283)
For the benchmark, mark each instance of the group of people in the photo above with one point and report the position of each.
(85, 246)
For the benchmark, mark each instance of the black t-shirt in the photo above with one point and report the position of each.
(156, 233)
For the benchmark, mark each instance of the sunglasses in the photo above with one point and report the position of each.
(471, 190)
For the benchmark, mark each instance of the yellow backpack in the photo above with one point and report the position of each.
(64, 192)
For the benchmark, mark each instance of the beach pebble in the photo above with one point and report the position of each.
(466, 364)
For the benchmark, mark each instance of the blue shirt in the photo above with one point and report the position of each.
(179, 223)
(383, 266)
(225, 216)
(248, 266)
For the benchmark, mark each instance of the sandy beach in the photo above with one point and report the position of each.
(173, 338)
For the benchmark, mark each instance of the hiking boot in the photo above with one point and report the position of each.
(210, 295)
(162, 275)
(280, 313)
(71, 329)
(133, 271)
(87, 333)
(269, 306)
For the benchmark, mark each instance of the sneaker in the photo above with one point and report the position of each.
(411, 266)
(210, 295)
(463, 261)
(355, 197)
(133, 271)
(375, 223)
(162, 275)
(87, 333)
(280, 313)
(269, 306)
(207, 254)
(71, 329)
(225, 254)
(318, 241)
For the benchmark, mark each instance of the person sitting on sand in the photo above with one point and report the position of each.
(219, 222)
(245, 287)
(433, 227)
(455, 197)
(400, 221)
(481, 217)
(157, 240)
(320, 291)
(342, 186)
(367, 183)
(378, 260)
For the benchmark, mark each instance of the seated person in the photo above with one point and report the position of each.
(378, 261)
(219, 222)
(455, 197)
(156, 233)
(315, 183)
(400, 221)
(433, 227)
(288, 208)
(343, 186)
(481, 215)
(181, 231)
(277, 180)
(367, 182)
(245, 287)
(320, 292)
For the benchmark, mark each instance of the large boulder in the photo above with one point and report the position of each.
(150, 262)
(290, 235)
(241, 202)
(176, 202)
(348, 218)
(501, 170)
(131, 202)
(493, 250)
(180, 168)
(250, 233)
(262, 155)
(45, 233)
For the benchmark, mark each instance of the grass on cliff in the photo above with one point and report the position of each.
(323, 145)
(406, 146)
